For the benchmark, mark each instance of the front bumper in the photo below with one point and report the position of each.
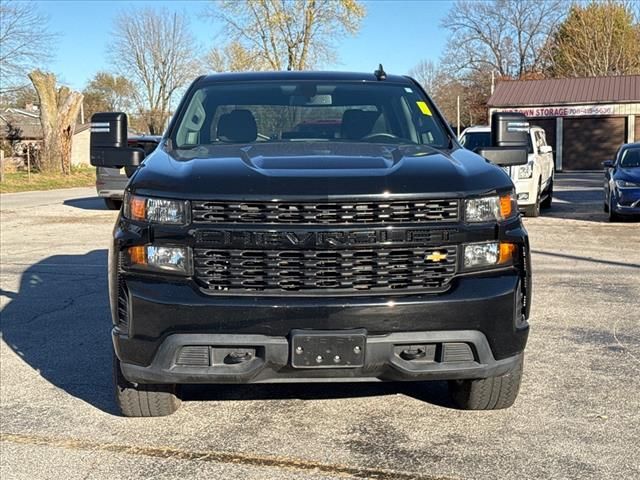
(479, 311)
(271, 362)
(528, 187)
(627, 201)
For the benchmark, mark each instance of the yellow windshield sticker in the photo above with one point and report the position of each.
(424, 108)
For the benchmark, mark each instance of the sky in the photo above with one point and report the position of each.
(396, 33)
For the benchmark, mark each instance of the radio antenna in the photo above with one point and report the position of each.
(380, 73)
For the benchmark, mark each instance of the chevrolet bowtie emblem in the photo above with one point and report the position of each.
(436, 256)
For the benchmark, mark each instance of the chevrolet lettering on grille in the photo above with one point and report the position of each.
(323, 239)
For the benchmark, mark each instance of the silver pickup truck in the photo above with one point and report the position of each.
(110, 182)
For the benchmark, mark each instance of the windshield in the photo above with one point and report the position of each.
(630, 158)
(473, 140)
(302, 111)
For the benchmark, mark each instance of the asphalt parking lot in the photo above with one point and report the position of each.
(577, 415)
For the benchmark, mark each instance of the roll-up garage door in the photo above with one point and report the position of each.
(587, 142)
(637, 133)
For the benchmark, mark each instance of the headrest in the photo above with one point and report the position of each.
(357, 123)
(237, 126)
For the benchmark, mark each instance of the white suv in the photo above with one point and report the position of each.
(533, 181)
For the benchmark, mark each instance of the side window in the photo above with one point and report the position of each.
(189, 131)
(543, 137)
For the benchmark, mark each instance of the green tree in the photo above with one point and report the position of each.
(598, 38)
(284, 34)
(234, 57)
(108, 93)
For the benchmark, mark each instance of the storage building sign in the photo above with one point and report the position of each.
(562, 111)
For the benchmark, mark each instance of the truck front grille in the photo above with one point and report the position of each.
(389, 212)
(325, 271)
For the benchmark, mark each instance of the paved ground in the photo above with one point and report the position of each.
(577, 415)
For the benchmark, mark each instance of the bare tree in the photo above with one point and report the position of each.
(598, 38)
(155, 50)
(507, 36)
(427, 74)
(25, 42)
(289, 34)
(59, 108)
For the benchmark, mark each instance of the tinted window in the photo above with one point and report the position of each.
(244, 113)
(630, 158)
(473, 140)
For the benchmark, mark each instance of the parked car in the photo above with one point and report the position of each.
(622, 182)
(110, 182)
(533, 181)
(243, 254)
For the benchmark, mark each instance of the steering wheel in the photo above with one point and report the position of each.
(381, 136)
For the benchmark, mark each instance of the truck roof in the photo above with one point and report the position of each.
(297, 75)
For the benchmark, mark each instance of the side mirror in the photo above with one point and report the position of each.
(108, 143)
(509, 139)
(607, 164)
(546, 149)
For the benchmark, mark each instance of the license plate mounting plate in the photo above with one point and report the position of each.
(328, 349)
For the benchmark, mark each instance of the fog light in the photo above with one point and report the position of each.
(523, 196)
(164, 259)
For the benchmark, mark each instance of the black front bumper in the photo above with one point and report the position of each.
(478, 311)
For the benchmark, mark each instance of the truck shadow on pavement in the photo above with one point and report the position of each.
(86, 203)
(59, 324)
(434, 392)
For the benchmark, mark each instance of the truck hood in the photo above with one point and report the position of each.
(315, 170)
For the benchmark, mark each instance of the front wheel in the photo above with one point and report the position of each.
(491, 393)
(613, 216)
(143, 400)
(113, 204)
(534, 210)
(546, 203)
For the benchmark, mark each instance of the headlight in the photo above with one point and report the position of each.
(161, 259)
(488, 254)
(156, 210)
(525, 171)
(489, 209)
(625, 184)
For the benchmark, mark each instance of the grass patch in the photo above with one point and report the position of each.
(19, 182)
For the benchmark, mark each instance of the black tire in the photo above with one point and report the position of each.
(143, 400)
(534, 210)
(112, 203)
(491, 393)
(613, 216)
(546, 203)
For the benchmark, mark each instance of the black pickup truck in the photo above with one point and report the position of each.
(315, 227)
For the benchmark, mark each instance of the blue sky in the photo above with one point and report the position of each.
(397, 33)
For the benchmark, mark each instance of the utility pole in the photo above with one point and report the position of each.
(29, 163)
(458, 112)
(1, 165)
(493, 81)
